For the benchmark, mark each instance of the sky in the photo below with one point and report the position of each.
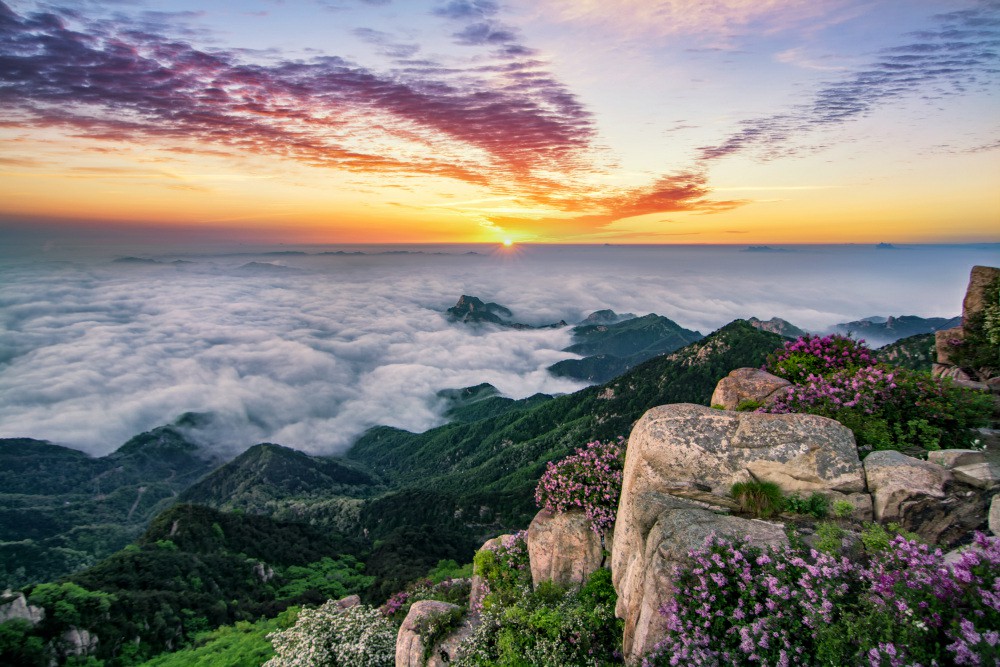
(479, 121)
(289, 345)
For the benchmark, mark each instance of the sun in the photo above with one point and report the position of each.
(508, 243)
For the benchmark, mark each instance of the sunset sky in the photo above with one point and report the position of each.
(568, 121)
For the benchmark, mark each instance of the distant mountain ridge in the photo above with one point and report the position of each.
(611, 349)
(473, 310)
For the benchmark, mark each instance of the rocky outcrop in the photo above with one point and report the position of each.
(747, 384)
(975, 294)
(15, 605)
(922, 497)
(975, 301)
(563, 548)
(686, 446)
(409, 645)
(77, 642)
(653, 533)
(348, 602)
(994, 517)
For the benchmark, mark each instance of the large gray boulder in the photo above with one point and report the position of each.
(563, 548)
(747, 384)
(922, 497)
(653, 533)
(689, 445)
(410, 647)
(994, 516)
(975, 301)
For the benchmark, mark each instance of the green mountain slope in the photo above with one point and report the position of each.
(286, 484)
(914, 352)
(61, 510)
(611, 349)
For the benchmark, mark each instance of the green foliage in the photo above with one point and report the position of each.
(449, 569)
(331, 578)
(761, 499)
(979, 349)
(19, 645)
(550, 626)
(435, 627)
(244, 644)
(815, 505)
(877, 538)
(68, 604)
(830, 538)
(748, 405)
(842, 509)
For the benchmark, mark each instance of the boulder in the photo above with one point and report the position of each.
(348, 602)
(15, 605)
(975, 294)
(410, 647)
(952, 458)
(563, 548)
(994, 517)
(653, 533)
(78, 642)
(747, 384)
(982, 475)
(944, 344)
(682, 446)
(922, 497)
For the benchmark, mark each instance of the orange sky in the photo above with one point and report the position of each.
(470, 122)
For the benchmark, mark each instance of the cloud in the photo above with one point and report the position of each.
(962, 53)
(93, 352)
(484, 124)
(467, 9)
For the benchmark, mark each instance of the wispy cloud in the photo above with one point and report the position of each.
(962, 53)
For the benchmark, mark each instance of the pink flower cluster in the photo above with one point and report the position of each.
(590, 479)
(739, 605)
(819, 356)
(866, 390)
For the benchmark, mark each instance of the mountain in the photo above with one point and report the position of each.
(778, 326)
(286, 484)
(481, 401)
(61, 510)
(611, 349)
(196, 568)
(606, 317)
(881, 331)
(914, 352)
(473, 310)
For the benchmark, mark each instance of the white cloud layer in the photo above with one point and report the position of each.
(93, 352)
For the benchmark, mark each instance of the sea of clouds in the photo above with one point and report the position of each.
(309, 350)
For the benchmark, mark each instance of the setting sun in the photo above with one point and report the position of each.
(508, 243)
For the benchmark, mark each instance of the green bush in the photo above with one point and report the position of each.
(748, 405)
(550, 626)
(815, 505)
(830, 538)
(761, 499)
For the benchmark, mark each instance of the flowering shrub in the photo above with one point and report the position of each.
(887, 408)
(589, 479)
(739, 605)
(815, 355)
(550, 626)
(455, 591)
(358, 636)
(505, 570)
